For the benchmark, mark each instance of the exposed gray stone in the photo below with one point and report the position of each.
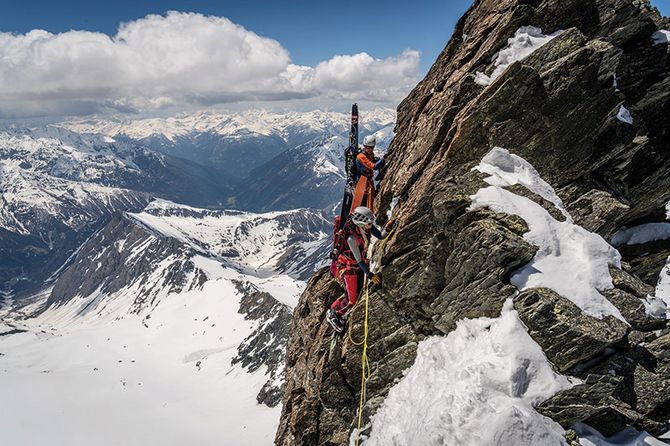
(629, 283)
(481, 257)
(633, 310)
(646, 260)
(596, 211)
(566, 334)
(266, 345)
(590, 403)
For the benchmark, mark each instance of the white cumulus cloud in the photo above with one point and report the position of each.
(178, 59)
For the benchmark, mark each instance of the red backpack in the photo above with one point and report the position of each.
(339, 242)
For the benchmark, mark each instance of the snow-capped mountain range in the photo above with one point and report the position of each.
(57, 187)
(311, 174)
(254, 122)
(233, 144)
(165, 237)
(60, 183)
(173, 308)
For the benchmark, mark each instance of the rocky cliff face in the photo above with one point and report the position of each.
(588, 109)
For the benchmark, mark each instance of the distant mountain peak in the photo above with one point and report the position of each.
(257, 122)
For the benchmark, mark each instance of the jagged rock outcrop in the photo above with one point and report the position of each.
(122, 255)
(558, 110)
(265, 346)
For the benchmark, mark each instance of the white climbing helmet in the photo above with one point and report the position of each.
(362, 216)
(370, 141)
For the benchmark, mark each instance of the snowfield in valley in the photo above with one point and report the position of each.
(112, 369)
(114, 378)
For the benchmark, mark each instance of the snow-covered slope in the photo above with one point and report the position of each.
(179, 317)
(169, 376)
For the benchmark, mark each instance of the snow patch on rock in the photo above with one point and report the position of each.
(506, 169)
(663, 285)
(627, 437)
(570, 260)
(661, 36)
(525, 40)
(644, 233)
(624, 115)
(477, 385)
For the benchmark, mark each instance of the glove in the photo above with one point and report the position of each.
(376, 279)
(364, 268)
(390, 224)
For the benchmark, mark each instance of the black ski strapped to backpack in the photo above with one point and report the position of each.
(350, 154)
(351, 151)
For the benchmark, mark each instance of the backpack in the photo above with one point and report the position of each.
(339, 242)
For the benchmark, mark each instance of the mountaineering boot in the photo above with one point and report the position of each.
(335, 320)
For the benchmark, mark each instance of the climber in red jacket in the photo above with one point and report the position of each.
(352, 264)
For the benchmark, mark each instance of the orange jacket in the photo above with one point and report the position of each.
(367, 164)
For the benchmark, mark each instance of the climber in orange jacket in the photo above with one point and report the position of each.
(366, 164)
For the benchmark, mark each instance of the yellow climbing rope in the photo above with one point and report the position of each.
(365, 365)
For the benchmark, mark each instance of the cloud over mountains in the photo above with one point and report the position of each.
(179, 59)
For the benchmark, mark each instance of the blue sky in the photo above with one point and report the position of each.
(91, 57)
(312, 31)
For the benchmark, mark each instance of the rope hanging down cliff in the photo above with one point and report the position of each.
(365, 363)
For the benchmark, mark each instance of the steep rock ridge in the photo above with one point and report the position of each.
(266, 345)
(562, 109)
